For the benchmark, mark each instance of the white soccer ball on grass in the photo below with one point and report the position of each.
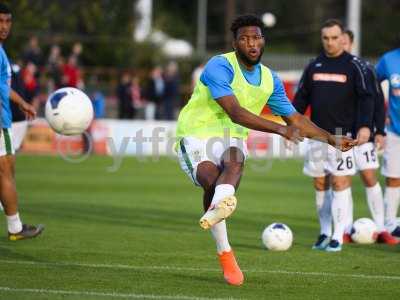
(364, 231)
(277, 237)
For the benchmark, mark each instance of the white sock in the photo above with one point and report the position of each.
(222, 191)
(323, 201)
(350, 217)
(340, 205)
(220, 236)
(14, 223)
(375, 204)
(392, 197)
(1, 207)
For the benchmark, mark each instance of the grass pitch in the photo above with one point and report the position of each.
(134, 234)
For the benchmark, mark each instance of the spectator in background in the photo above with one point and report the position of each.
(137, 101)
(29, 81)
(77, 52)
(171, 92)
(72, 76)
(99, 104)
(97, 97)
(125, 109)
(33, 52)
(54, 68)
(154, 94)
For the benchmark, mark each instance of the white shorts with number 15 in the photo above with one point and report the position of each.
(366, 157)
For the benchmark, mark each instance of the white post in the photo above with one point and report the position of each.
(201, 27)
(143, 9)
(354, 23)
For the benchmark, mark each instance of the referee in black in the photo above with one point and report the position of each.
(335, 87)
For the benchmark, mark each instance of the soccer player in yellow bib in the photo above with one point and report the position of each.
(212, 128)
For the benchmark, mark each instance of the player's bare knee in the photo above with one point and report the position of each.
(319, 186)
(369, 178)
(369, 181)
(392, 182)
(207, 175)
(341, 183)
(321, 183)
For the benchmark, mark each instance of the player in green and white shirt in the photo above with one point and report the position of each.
(213, 127)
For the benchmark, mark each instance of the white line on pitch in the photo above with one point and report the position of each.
(183, 269)
(113, 295)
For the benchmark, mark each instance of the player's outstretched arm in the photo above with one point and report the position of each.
(309, 129)
(243, 117)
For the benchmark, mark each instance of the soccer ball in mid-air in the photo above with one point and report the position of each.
(69, 111)
(364, 231)
(277, 237)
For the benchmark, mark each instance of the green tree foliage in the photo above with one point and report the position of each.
(298, 22)
(178, 18)
(380, 26)
(104, 27)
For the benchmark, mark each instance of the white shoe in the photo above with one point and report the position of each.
(220, 212)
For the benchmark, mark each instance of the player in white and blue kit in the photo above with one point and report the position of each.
(366, 159)
(8, 193)
(388, 68)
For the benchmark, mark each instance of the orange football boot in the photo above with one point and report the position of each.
(232, 273)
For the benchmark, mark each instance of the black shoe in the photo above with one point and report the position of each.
(334, 246)
(27, 232)
(396, 232)
(322, 242)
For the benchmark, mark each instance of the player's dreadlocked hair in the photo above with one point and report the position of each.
(246, 20)
(4, 9)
